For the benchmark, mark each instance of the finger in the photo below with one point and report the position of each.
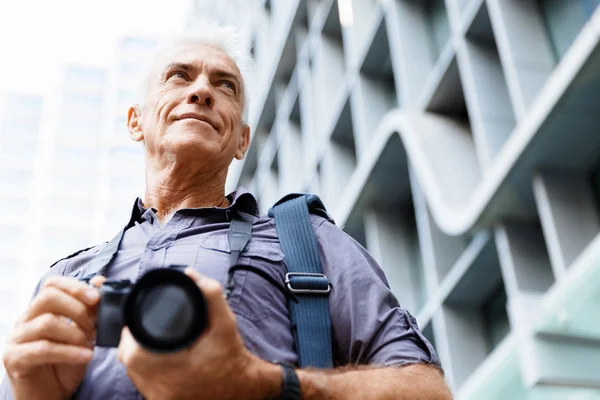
(213, 292)
(74, 288)
(192, 273)
(21, 358)
(138, 360)
(98, 280)
(54, 301)
(129, 350)
(53, 328)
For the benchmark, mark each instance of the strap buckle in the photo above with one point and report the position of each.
(311, 284)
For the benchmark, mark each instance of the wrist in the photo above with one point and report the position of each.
(265, 380)
(314, 384)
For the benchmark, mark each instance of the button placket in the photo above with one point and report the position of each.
(155, 253)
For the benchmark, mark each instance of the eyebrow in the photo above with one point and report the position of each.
(178, 65)
(218, 72)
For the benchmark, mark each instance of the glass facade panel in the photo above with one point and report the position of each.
(85, 75)
(496, 319)
(564, 20)
(17, 180)
(439, 26)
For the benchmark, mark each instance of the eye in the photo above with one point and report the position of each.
(177, 74)
(229, 85)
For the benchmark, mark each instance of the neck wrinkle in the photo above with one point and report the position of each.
(175, 187)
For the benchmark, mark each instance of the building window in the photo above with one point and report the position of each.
(78, 100)
(138, 44)
(85, 75)
(564, 20)
(495, 318)
(439, 26)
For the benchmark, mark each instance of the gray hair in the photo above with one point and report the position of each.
(213, 33)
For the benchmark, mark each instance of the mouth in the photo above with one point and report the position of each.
(197, 117)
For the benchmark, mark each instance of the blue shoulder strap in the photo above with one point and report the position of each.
(309, 314)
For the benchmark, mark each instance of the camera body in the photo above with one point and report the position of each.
(164, 310)
(113, 295)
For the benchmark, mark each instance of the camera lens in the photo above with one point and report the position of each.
(165, 311)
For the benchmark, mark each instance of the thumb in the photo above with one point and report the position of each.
(213, 292)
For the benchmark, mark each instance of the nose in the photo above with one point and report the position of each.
(200, 92)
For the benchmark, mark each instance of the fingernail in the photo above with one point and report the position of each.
(92, 294)
(90, 343)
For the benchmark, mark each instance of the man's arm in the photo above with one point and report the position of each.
(416, 381)
(218, 366)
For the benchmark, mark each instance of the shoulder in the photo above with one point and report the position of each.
(322, 224)
(334, 237)
(70, 264)
(264, 227)
(345, 259)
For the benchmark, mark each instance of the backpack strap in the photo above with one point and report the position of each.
(309, 314)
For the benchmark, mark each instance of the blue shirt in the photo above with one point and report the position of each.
(368, 324)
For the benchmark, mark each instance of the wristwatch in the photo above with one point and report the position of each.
(290, 385)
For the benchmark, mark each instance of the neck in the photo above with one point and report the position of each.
(175, 187)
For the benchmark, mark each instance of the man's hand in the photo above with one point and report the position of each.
(48, 352)
(218, 366)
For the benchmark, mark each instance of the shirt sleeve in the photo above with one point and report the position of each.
(5, 389)
(368, 324)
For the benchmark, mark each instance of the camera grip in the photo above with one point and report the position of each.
(110, 320)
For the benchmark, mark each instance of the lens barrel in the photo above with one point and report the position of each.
(165, 310)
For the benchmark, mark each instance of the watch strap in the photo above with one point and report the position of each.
(290, 385)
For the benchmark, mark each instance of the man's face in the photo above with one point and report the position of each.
(193, 108)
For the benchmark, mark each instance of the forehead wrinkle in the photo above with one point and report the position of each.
(184, 54)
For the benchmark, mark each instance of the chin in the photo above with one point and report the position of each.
(190, 146)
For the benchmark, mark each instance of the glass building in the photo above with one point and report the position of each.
(458, 141)
(123, 159)
(89, 170)
(20, 116)
(68, 171)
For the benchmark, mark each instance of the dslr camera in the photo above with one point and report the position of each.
(164, 310)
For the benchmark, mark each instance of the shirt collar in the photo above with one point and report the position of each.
(240, 199)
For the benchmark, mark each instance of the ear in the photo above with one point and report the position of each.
(134, 123)
(244, 143)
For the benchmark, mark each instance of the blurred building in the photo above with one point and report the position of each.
(70, 165)
(68, 171)
(123, 178)
(89, 170)
(458, 141)
(20, 116)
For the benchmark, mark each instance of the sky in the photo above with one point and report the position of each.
(37, 36)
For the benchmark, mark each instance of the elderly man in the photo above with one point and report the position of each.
(191, 124)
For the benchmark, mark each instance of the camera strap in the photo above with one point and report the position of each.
(310, 317)
(239, 235)
(100, 264)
